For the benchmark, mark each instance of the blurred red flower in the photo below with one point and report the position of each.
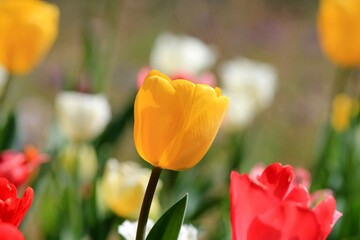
(18, 166)
(12, 208)
(10, 232)
(274, 205)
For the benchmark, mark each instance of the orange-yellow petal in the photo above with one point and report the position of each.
(176, 121)
(339, 31)
(28, 29)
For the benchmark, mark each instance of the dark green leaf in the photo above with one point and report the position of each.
(116, 126)
(7, 131)
(169, 225)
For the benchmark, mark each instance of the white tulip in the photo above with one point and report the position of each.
(188, 232)
(128, 230)
(82, 116)
(250, 86)
(172, 54)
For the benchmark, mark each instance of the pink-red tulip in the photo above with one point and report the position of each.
(17, 167)
(12, 208)
(274, 205)
(10, 232)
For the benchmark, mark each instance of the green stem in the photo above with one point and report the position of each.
(341, 79)
(237, 147)
(321, 170)
(146, 204)
(5, 90)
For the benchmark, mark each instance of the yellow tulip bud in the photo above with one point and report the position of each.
(80, 157)
(123, 187)
(339, 31)
(176, 120)
(343, 109)
(28, 29)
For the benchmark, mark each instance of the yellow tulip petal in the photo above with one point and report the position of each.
(154, 105)
(339, 31)
(176, 121)
(205, 112)
(123, 187)
(343, 109)
(30, 27)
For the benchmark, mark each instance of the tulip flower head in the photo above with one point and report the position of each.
(174, 54)
(176, 120)
(82, 116)
(28, 29)
(80, 159)
(344, 108)
(12, 208)
(17, 167)
(10, 232)
(181, 57)
(205, 78)
(251, 87)
(128, 230)
(339, 31)
(273, 206)
(123, 187)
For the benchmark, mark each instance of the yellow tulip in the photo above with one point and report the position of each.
(28, 29)
(123, 186)
(339, 31)
(176, 120)
(343, 109)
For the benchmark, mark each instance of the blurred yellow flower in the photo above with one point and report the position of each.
(343, 108)
(339, 31)
(176, 120)
(28, 29)
(80, 159)
(123, 186)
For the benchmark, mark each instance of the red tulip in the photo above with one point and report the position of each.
(18, 166)
(10, 232)
(12, 208)
(275, 206)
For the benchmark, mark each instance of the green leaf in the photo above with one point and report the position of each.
(7, 130)
(169, 224)
(112, 133)
(116, 127)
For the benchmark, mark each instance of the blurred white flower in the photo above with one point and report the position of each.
(123, 187)
(3, 78)
(82, 116)
(174, 54)
(188, 232)
(250, 85)
(128, 230)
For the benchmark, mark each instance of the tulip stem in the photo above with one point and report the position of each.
(5, 90)
(341, 80)
(146, 204)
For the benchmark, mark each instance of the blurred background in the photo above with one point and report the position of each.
(281, 33)
(102, 46)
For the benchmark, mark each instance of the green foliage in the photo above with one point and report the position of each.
(169, 225)
(7, 130)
